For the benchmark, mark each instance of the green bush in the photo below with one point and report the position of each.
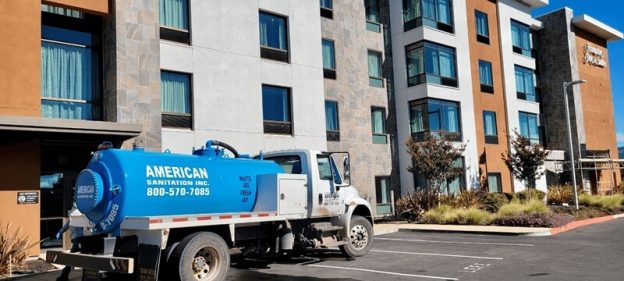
(411, 206)
(469, 199)
(531, 207)
(14, 245)
(446, 214)
(559, 194)
(610, 202)
(491, 202)
(530, 194)
(473, 216)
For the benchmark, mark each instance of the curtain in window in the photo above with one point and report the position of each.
(429, 9)
(66, 73)
(482, 24)
(383, 191)
(272, 31)
(378, 121)
(485, 73)
(452, 120)
(520, 36)
(275, 104)
(533, 127)
(489, 123)
(175, 91)
(432, 64)
(444, 11)
(411, 10)
(372, 11)
(493, 183)
(174, 13)
(327, 4)
(417, 117)
(374, 65)
(328, 54)
(331, 116)
(454, 186)
(529, 86)
(447, 64)
(415, 62)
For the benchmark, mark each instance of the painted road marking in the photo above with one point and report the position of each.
(455, 242)
(434, 254)
(383, 272)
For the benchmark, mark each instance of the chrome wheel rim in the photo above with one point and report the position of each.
(205, 263)
(358, 236)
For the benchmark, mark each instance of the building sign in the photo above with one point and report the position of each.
(27, 197)
(593, 56)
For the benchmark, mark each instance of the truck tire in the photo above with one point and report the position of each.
(359, 238)
(200, 256)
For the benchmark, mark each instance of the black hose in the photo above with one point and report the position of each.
(226, 146)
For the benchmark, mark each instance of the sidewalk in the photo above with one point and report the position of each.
(490, 229)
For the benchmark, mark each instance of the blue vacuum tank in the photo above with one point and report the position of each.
(124, 183)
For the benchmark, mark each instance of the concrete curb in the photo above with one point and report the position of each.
(576, 224)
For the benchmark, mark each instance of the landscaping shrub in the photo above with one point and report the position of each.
(491, 202)
(531, 207)
(412, 206)
(583, 212)
(510, 196)
(535, 220)
(619, 189)
(14, 247)
(469, 199)
(611, 201)
(559, 194)
(530, 194)
(446, 214)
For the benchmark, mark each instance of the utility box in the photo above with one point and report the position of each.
(286, 193)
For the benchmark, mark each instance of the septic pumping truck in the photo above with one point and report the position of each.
(166, 216)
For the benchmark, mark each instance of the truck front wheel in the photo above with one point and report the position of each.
(201, 256)
(359, 238)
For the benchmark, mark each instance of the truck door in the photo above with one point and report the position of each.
(329, 201)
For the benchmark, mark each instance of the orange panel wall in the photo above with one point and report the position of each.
(489, 154)
(597, 101)
(19, 171)
(20, 56)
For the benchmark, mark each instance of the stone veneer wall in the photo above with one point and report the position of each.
(355, 97)
(131, 51)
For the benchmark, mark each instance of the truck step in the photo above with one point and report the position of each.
(326, 227)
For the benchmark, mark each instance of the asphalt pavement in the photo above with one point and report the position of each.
(592, 252)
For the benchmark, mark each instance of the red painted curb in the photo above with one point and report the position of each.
(577, 224)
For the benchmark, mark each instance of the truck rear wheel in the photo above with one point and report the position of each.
(359, 238)
(200, 256)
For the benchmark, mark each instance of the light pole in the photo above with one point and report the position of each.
(567, 108)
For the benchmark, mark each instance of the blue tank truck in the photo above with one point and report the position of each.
(166, 216)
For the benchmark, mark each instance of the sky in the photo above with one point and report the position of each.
(610, 13)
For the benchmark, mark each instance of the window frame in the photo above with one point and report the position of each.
(376, 137)
(373, 81)
(486, 88)
(275, 126)
(483, 38)
(462, 178)
(424, 76)
(526, 95)
(499, 181)
(327, 12)
(490, 139)
(174, 34)
(329, 73)
(178, 120)
(370, 24)
(520, 49)
(427, 132)
(538, 129)
(333, 135)
(272, 53)
(379, 195)
(421, 20)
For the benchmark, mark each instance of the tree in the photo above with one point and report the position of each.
(433, 158)
(526, 160)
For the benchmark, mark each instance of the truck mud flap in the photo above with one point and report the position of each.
(87, 261)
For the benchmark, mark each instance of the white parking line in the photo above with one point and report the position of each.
(434, 254)
(455, 242)
(383, 272)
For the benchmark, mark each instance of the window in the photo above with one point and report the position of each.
(435, 118)
(174, 20)
(175, 94)
(276, 110)
(273, 37)
(485, 76)
(70, 64)
(525, 87)
(483, 31)
(494, 182)
(430, 63)
(433, 13)
(329, 59)
(489, 127)
(290, 164)
(374, 69)
(372, 15)
(378, 120)
(529, 126)
(521, 38)
(327, 9)
(331, 121)
(383, 194)
(451, 186)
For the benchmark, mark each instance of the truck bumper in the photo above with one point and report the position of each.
(106, 263)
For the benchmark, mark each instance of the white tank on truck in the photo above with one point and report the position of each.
(165, 216)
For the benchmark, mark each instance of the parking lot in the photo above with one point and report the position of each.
(588, 253)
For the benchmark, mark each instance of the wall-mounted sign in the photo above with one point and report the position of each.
(27, 197)
(593, 56)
